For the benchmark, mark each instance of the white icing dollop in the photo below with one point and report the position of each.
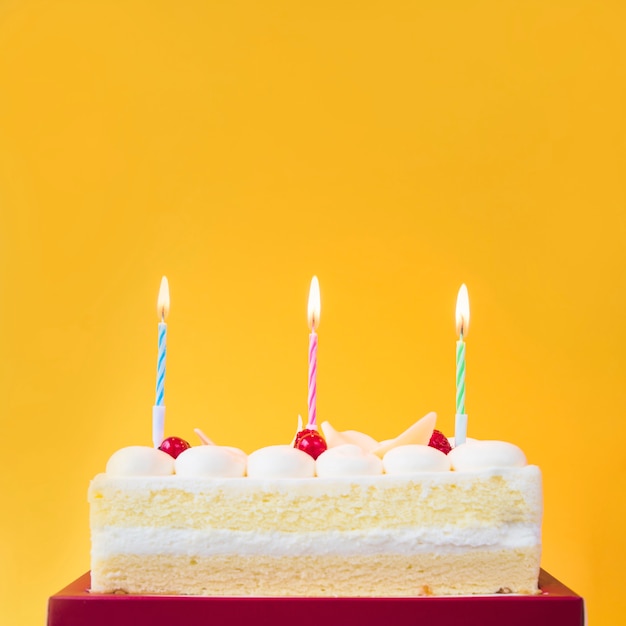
(280, 461)
(140, 461)
(211, 461)
(415, 458)
(347, 460)
(476, 455)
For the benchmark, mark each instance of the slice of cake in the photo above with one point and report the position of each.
(360, 520)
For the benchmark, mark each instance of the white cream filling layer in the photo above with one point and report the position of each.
(107, 542)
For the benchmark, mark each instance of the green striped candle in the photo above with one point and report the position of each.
(460, 376)
(462, 324)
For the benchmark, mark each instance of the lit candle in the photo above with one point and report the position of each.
(158, 411)
(462, 325)
(314, 320)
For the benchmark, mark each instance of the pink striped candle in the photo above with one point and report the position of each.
(314, 320)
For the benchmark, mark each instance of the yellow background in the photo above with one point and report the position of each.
(394, 149)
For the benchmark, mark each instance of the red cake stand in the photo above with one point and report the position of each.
(555, 605)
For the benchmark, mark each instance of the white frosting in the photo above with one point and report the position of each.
(517, 478)
(347, 460)
(415, 458)
(211, 461)
(140, 461)
(280, 461)
(476, 455)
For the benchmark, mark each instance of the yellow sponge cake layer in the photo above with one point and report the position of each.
(491, 497)
(477, 571)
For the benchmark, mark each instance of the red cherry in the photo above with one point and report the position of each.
(311, 442)
(440, 441)
(174, 446)
(301, 434)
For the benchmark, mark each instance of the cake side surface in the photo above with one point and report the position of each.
(434, 533)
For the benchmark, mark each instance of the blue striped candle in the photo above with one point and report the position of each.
(160, 380)
(158, 411)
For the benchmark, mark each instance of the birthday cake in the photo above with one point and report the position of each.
(363, 518)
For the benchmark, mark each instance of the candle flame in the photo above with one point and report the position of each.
(163, 301)
(314, 304)
(462, 312)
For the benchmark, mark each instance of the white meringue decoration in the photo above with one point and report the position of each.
(298, 429)
(415, 458)
(365, 442)
(280, 461)
(211, 461)
(335, 438)
(419, 433)
(347, 460)
(477, 455)
(140, 461)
